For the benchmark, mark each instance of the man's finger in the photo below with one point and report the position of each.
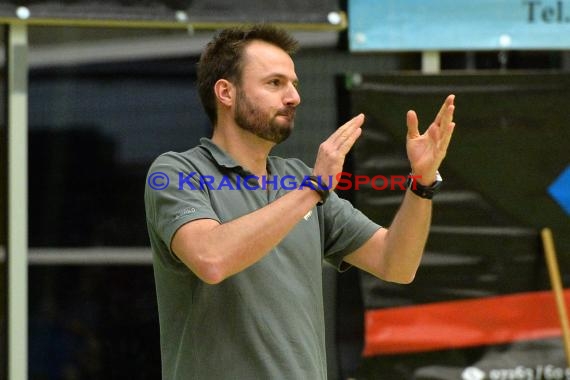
(446, 136)
(342, 133)
(448, 102)
(412, 123)
(349, 142)
(447, 116)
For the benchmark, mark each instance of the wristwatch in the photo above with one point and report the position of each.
(422, 191)
(319, 187)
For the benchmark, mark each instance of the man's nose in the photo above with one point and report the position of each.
(292, 97)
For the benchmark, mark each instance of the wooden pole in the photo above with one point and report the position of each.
(557, 288)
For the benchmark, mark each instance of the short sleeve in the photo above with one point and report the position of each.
(173, 197)
(345, 230)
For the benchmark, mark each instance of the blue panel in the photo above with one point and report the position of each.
(417, 25)
(560, 190)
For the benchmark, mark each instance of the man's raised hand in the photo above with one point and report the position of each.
(426, 151)
(333, 151)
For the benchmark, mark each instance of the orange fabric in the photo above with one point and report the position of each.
(462, 323)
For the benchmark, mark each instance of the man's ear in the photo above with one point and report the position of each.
(225, 92)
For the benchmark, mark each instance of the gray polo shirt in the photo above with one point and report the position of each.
(266, 322)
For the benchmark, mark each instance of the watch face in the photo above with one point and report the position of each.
(438, 176)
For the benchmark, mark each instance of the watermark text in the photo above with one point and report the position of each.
(343, 180)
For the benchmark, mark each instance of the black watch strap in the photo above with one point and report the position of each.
(422, 191)
(317, 184)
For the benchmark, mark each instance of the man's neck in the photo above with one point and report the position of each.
(244, 147)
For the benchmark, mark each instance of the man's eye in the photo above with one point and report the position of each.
(274, 82)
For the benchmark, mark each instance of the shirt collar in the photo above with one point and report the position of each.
(224, 160)
(220, 156)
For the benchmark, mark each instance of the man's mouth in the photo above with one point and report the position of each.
(288, 113)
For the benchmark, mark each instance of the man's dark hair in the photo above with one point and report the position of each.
(223, 58)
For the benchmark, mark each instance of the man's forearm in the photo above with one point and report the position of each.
(406, 238)
(217, 251)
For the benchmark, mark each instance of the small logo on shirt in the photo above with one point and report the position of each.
(308, 215)
(183, 212)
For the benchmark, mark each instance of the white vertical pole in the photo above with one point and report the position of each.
(431, 62)
(17, 239)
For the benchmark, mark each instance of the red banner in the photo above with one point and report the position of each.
(463, 323)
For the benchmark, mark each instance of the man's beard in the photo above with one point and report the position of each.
(254, 120)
